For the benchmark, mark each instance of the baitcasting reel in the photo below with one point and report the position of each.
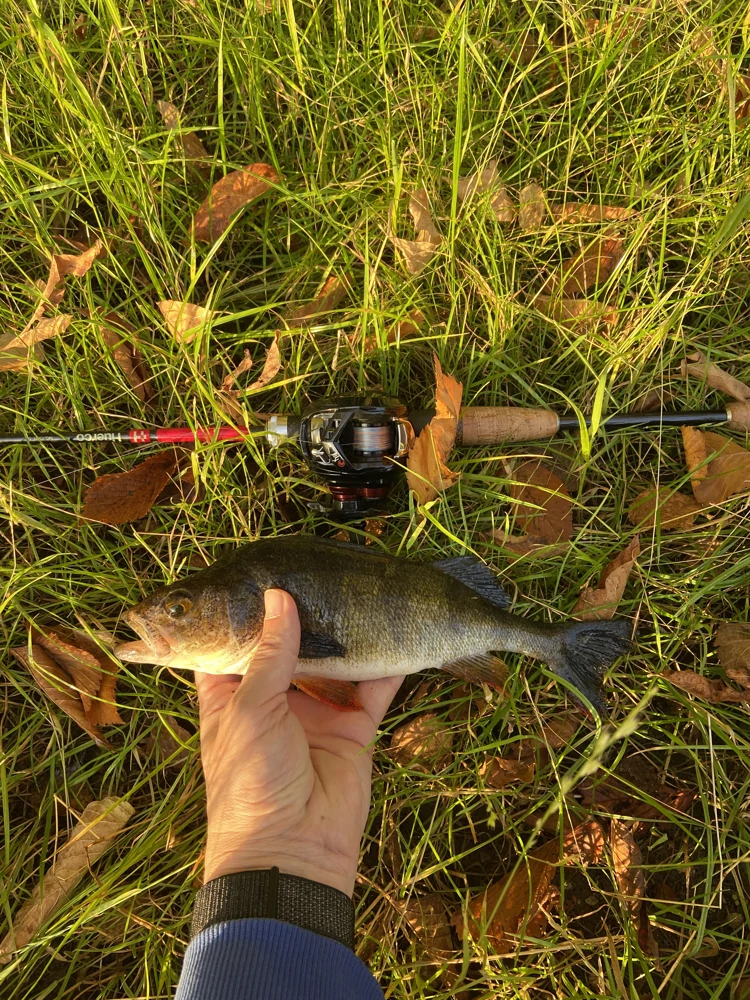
(351, 444)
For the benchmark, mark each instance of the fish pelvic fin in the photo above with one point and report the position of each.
(484, 668)
(586, 650)
(338, 694)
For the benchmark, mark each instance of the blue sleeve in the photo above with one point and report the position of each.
(258, 959)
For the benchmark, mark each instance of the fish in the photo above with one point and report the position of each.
(364, 614)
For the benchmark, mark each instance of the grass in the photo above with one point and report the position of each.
(355, 113)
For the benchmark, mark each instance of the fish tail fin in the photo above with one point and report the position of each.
(586, 650)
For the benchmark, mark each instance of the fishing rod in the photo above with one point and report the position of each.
(355, 444)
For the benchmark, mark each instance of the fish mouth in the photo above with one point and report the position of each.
(153, 646)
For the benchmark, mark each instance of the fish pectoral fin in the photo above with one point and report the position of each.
(319, 646)
(338, 694)
(484, 668)
(476, 576)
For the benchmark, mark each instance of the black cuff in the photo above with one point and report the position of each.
(271, 893)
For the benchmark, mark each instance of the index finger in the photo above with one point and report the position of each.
(376, 696)
(215, 691)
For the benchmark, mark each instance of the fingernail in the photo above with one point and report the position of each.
(274, 603)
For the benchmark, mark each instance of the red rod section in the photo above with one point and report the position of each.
(186, 435)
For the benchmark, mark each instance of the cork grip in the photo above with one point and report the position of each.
(498, 424)
(738, 416)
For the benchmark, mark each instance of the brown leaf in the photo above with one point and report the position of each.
(426, 472)
(193, 149)
(631, 883)
(654, 399)
(428, 918)
(602, 602)
(543, 507)
(559, 732)
(120, 497)
(520, 766)
(331, 294)
(418, 253)
(43, 329)
(409, 326)
(271, 366)
(725, 475)
(184, 320)
(592, 266)
(581, 212)
(120, 337)
(704, 370)
(487, 180)
(100, 823)
(228, 196)
(169, 740)
(575, 311)
(244, 366)
(713, 691)
(584, 844)
(532, 208)
(674, 511)
(424, 742)
(732, 642)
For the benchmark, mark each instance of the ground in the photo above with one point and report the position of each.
(357, 104)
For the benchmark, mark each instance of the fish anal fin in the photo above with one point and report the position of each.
(338, 694)
(483, 668)
(476, 576)
(319, 646)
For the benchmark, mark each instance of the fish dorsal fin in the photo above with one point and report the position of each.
(474, 574)
(483, 668)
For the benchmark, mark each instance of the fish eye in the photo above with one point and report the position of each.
(178, 606)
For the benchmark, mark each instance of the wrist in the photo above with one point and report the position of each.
(331, 870)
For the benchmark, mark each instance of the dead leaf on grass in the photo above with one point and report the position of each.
(532, 208)
(501, 203)
(99, 824)
(543, 508)
(575, 312)
(429, 919)
(120, 497)
(732, 642)
(328, 298)
(418, 253)
(409, 326)
(725, 475)
(627, 862)
(559, 732)
(120, 337)
(426, 472)
(43, 329)
(196, 154)
(227, 397)
(184, 320)
(592, 266)
(582, 212)
(714, 691)
(528, 546)
(271, 365)
(228, 196)
(704, 370)
(169, 739)
(674, 511)
(519, 766)
(602, 601)
(424, 742)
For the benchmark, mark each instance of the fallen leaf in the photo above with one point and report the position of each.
(584, 844)
(501, 771)
(590, 267)
(725, 475)
(195, 152)
(120, 497)
(654, 399)
(244, 366)
(701, 368)
(528, 546)
(532, 208)
(713, 691)
(602, 601)
(575, 311)
(270, 367)
(99, 824)
(543, 508)
(409, 326)
(733, 647)
(330, 296)
(627, 863)
(418, 253)
(559, 732)
(169, 739)
(184, 320)
(426, 472)
(17, 345)
(120, 337)
(424, 742)
(228, 196)
(674, 511)
(428, 918)
(582, 212)
(501, 203)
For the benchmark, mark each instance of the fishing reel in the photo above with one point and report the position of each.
(352, 444)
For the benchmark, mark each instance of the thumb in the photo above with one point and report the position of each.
(275, 657)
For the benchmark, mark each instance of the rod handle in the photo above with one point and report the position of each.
(481, 425)
(738, 416)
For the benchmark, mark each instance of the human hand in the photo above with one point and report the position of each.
(287, 778)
